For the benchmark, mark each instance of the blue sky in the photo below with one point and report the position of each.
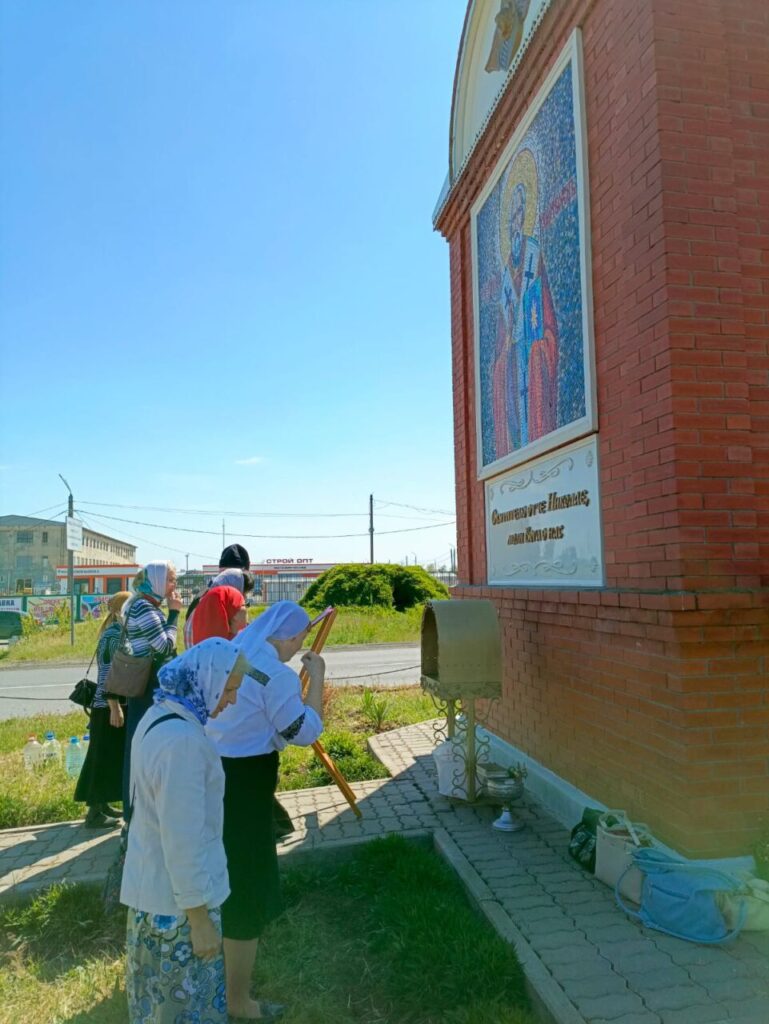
(220, 288)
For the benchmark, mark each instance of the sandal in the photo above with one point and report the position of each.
(270, 1012)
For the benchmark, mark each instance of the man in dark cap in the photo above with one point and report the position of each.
(235, 556)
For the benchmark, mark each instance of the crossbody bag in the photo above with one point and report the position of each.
(128, 673)
(85, 690)
(114, 879)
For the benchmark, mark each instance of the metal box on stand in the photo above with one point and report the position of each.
(461, 662)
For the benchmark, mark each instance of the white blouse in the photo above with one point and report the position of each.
(269, 712)
(175, 857)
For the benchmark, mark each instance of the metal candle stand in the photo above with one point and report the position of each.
(461, 663)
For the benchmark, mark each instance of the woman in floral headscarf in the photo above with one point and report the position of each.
(148, 631)
(175, 873)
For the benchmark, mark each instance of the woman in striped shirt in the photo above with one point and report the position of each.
(148, 631)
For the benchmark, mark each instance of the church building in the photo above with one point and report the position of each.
(607, 215)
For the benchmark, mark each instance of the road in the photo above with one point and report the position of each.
(49, 685)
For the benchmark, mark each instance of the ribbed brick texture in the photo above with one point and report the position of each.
(652, 694)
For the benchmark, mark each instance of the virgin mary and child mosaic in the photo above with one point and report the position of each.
(531, 347)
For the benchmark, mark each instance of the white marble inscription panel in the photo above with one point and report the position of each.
(543, 521)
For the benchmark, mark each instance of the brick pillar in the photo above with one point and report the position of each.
(651, 694)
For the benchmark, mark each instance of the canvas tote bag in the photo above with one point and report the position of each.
(616, 840)
(128, 673)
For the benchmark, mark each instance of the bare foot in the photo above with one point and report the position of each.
(253, 1009)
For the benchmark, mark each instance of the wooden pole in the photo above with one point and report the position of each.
(317, 646)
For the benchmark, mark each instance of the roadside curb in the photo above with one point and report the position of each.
(6, 666)
(549, 999)
(12, 666)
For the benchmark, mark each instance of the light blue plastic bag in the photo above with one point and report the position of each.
(678, 897)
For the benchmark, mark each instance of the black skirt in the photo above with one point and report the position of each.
(249, 842)
(134, 710)
(101, 778)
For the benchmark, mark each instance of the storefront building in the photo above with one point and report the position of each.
(98, 579)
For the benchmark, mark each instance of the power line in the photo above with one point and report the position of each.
(155, 542)
(244, 515)
(417, 508)
(226, 512)
(41, 510)
(267, 536)
(444, 557)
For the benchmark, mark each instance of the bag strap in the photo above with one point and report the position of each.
(121, 642)
(163, 718)
(620, 903)
(96, 651)
(90, 664)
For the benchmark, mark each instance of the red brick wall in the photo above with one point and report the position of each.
(652, 693)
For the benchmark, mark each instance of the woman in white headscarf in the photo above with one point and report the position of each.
(148, 631)
(175, 873)
(269, 715)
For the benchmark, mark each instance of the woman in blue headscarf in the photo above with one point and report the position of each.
(269, 715)
(175, 873)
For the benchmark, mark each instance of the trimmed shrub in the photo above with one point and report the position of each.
(412, 585)
(386, 586)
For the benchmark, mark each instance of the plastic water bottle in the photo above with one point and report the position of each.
(51, 751)
(32, 754)
(75, 757)
(85, 743)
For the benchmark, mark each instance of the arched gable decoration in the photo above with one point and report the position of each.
(495, 36)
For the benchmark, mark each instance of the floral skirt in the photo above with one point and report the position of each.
(165, 982)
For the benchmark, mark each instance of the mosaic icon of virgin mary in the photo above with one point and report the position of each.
(525, 370)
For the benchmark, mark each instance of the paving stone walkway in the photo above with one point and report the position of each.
(587, 963)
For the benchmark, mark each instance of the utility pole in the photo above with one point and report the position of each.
(224, 542)
(70, 566)
(187, 569)
(371, 527)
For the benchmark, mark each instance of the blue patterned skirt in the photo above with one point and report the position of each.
(165, 982)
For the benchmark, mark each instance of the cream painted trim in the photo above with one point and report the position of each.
(459, 104)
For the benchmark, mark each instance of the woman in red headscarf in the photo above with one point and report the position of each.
(220, 612)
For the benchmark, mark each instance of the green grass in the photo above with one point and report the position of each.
(353, 626)
(386, 937)
(62, 959)
(40, 798)
(50, 643)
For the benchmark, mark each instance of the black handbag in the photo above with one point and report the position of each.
(583, 839)
(85, 690)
